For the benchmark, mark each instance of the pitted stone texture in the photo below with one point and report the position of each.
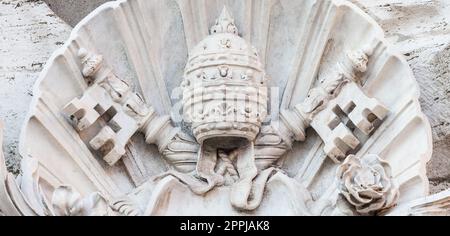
(417, 28)
(29, 33)
(420, 30)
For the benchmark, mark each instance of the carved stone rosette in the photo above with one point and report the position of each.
(367, 184)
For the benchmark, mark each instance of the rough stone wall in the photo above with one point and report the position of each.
(420, 30)
(29, 33)
(417, 28)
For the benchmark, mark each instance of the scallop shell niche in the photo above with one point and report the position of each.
(224, 107)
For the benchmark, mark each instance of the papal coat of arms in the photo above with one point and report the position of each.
(224, 108)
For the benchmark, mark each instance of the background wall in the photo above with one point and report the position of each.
(30, 31)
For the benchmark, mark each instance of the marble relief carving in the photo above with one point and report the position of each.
(274, 116)
(367, 184)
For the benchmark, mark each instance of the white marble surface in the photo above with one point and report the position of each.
(406, 118)
(407, 25)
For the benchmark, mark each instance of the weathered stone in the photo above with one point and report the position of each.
(29, 33)
(420, 30)
(343, 95)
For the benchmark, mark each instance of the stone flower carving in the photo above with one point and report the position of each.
(367, 184)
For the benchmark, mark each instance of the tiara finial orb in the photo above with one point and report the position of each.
(224, 24)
